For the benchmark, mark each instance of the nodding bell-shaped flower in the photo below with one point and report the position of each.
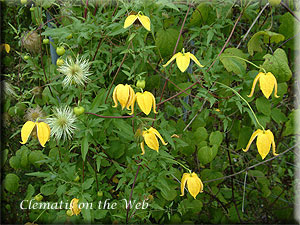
(183, 60)
(145, 102)
(267, 83)
(150, 137)
(264, 141)
(74, 206)
(125, 95)
(194, 184)
(144, 20)
(43, 132)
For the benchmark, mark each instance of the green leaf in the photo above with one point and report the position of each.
(255, 42)
(200, 134)
(233, 64)
(98, 101)
(244, 136)
(48, 188)
(263, 106)
(11, 182)
(87, 183)
(216, 138)
(278, 116)
(210, 174)
(200, 14)
(289, 29)
(116, 149)
(206, 154)
(166, 40)
(183, 86)
(84, 147)
(29, 192)
(277, 64)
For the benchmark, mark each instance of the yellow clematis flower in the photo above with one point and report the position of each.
(6, 47)
(145, 101)
(264, 141)
(125, 95)
(43, 132)
(74, 206)
(151, 140)
(144, 20)
(183, 60)
(194, 184)
(267, 83)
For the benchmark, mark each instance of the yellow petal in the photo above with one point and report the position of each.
(115, 95)
(131, 97)
(254, 83)
(275, 89)
(253, 136)
(263, 144)
(194, 185)
(7, 47)
(267, 83)
(144, 101)
(26, 131)
(74, 206)
(151, 129)
(183, 182)
(145, 21)
(183, 61)
(153, 102)
(132, 105)
(194, 59)
(43, 132)
(123, 95)
(151, 140)
(143, 148)
(130, 20)
(271, 137)
(173, 57)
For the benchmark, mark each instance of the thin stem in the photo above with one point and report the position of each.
(112, 117)
(244, 101)
(245, 181)
(250, 167)
(258, 67)
(128, 206)
(173, 160)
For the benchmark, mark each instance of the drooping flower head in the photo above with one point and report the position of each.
(264, 141)
(75, 71)
(267, 83)
(125, 95)
(150, 137)
(183, 60)
(194, 184)
(62, 123)
(144, 20)
(74, 207)
(43, 132)
(145, 102)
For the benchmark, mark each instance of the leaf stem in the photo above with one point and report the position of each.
(244, 101)
(258, 67)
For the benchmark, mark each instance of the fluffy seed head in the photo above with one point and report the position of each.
(62, 123)
(75, 71)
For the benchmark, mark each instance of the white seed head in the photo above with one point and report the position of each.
(76, 72)
(62, 123)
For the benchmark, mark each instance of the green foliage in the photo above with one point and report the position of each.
(205, 128)
(278, 65)
(255, 43)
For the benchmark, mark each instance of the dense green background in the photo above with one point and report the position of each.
(105, 153)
